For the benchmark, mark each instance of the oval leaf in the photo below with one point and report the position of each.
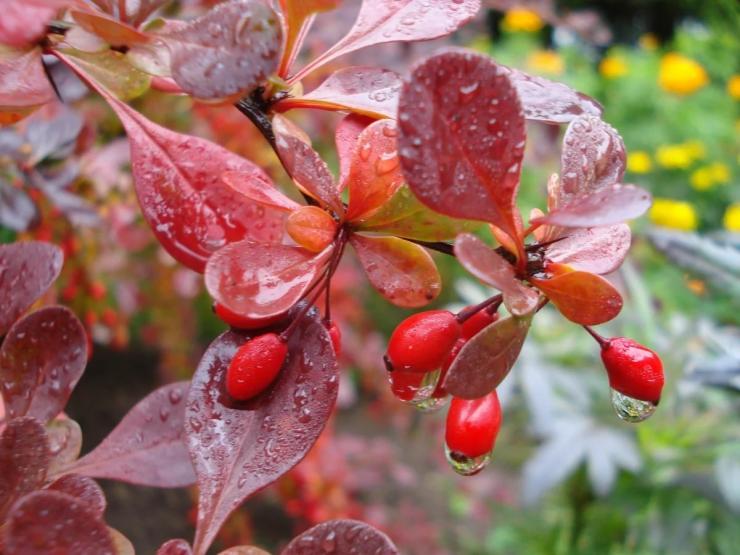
(462, 138)
(65, 442)
(113, 71)
(24, 22)
(148, 445)
(492, 268)
(23, 85)
(83, 489)
(486, 359)
(347, 132)
(238, 451)
(311, 227)
(24, 459)
(41, 361)
(255, 191)
(47, 522)
(599, 250)
(401, 271)
(228, 51)
(582, 297)
(341, 536)
(27, 270)
(110, 30)
(175, 547)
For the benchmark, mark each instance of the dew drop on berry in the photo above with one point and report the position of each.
(431, 404)
(630, 409)
(464, 465)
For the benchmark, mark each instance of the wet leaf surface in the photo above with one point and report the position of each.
(23, 85)
(254, 190)
(339, 537)
(347, 132)
(239, 449)
(41, 360)
(24, 22)
(113, 71)
(299, 15)
(65, 443)
(311, 227)
(175, 547)
(112, 31)
(83, 489)
(582, 297)
(599, 250)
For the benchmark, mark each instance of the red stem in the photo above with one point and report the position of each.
(469, 312)
(600, 339)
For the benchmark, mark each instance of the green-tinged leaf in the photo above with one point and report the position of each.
(112, 70)
(582, 297)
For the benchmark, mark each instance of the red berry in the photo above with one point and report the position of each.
(405, 385)
(634, 370)
(422, 342)
(336, 337)
(241, 322)
(255, 366)
(97, 290)
(440, 391)
(477, 322)
(472, 425)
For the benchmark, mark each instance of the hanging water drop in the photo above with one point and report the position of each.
(630, 409)
(431, 404)
(464, 465)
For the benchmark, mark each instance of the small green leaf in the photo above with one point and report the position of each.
(112, 70)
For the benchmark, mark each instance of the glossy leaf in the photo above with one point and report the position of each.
(486, 359)
(258, 280)
(370, 91)
(148, 445)
(582, 297)
(492, 268)
(41, 360)
(27, 270)
(347, 132)
(188, 206)
(112, 31)
(23, 85)
(610, 205)
(305, 166)
(228, 51)
(47, 522)
(254, 190)
(24, 22)
(83, 489)
(404, 273)
(299, 15)
(175, 547)
(311, 227)
(341, 536)
(375, 172)
(238, 450)
(24, 460)
(462, 138)
(599, 250)
(381, 21)
(404, 216)
(131, 11)
(65, 443)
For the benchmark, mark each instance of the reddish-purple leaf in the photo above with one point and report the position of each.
(244, 550)
(23, 85)
(462, 138)
(255, 191)
(492, 268)
(46, 522)
(115, 33)
(593, 157)
(148, 445)
(27, 270)
(370, 91)
(599, 250)
(175, 547)
(401, 271)
(381, 21)
(238, 450)
(24, 22)
(487, 358)
(347, 133)
(65, 442)
(178, 181)
(550, 101)
(24, 460)
(341, 536)
(304, 165)
(582, 297)
(228, 51)
(41, 360)
(610, 205)
(83, 489)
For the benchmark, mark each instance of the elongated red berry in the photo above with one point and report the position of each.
(405, 385)
(477, 322)
(241, 322)
(633, 369)
(255, 366)
(422, 342)
(472, 425)
(336, 337)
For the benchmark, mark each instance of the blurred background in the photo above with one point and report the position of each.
(567, 476)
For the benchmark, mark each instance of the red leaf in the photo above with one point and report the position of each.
(175, 547)
(27, 270)
(46, 522)
(148, 445)
(228, 51)
(65, 442)
(404, 273)
(41, 360)
(134, 11)
(255, 191)
(610, 205)
(257, 281)
(486, 359)
(23, 23)
(299, 16)
(341, 536)
(107, 28)
(83, 489)
(348, 131)
(375, 173)
(370, 91)
(238, 451)
(381, 21)
(304, 165)
(582, 297)
(178, 181)
(492, 268)
(23, 85)
(24, 459)
(462, 138)
(599, 250)
(244, 550)
(311, 227)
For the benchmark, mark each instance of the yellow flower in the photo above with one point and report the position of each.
(639, 161)
(681, 75)
(675, 214)
(546, 61)
(695, 149)
(702, 178)
(648, 41)
(674, 157)
(720, 172)
(732, 218)
(612, 67)
(733, 87)
(522, 19)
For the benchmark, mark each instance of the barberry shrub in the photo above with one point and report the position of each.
(426, 161)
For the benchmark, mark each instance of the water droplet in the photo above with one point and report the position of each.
(630, 409)
(329, 543)
(175, 396)
(464, 465)
(431, 404)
